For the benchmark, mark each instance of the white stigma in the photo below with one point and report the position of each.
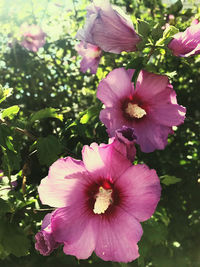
(135, 111)
(103, 200)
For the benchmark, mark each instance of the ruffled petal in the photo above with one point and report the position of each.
(141, 189)
(169, 115)
(150, 84)
(150, 135)
(66, 168)
(118, 237)
(104, 161)
(116, 86)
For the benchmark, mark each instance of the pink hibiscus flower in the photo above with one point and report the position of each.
(109, 28)
(187, 43)
(33, 37)
(150, 108)
(45, 242)
(91, 56)
(100, 201)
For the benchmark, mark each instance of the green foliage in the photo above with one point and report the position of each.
(168, 34)
(168, 180)
(10, 112)
(48, 149)
(52, 112)
(45, 113)
(13, 239)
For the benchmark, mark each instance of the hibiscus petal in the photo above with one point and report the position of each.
(118, 237)
(57, 192)
(112, 89)
(66, 176)
(85, 245)
(65, 168)
(168, 114)
(150, 135)
(104, 161)
(113, 120)
(141, 189)
(150, 84)
(69, 223)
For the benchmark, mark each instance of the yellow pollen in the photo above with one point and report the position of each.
(135, 111)
(103, 200)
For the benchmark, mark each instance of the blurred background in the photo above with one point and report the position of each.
(52, 111)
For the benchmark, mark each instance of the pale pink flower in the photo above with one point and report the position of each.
(101, 201)
(32, 37)
(187, 43)
(109, 28)
(150, 108)
(45, 242)
(91, 56)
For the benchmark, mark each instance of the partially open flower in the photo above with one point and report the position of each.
(150, 109)
(187, 43)
(32, 37)
(108, 28)
(45, 242)
(91, 56)
(100, 201)
(124, 142)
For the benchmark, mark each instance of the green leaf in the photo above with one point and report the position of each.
(143, 28)
(136, 63)
(175, 8)
(10, 161)
(4, 206)
(168, 180)
(48, 149)
(46, 113)
(5, 137)
(168, 34)
(157, 32)
(10, 112)
(89, 114)
(4, 93)
(13, 239)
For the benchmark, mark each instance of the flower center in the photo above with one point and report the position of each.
(29, 39)
(93, 53)
(134, 111)
(103, 200)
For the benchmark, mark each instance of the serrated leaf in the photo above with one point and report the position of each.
(10, 112)
(168, 180)
(48, 149)
(46, 113)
